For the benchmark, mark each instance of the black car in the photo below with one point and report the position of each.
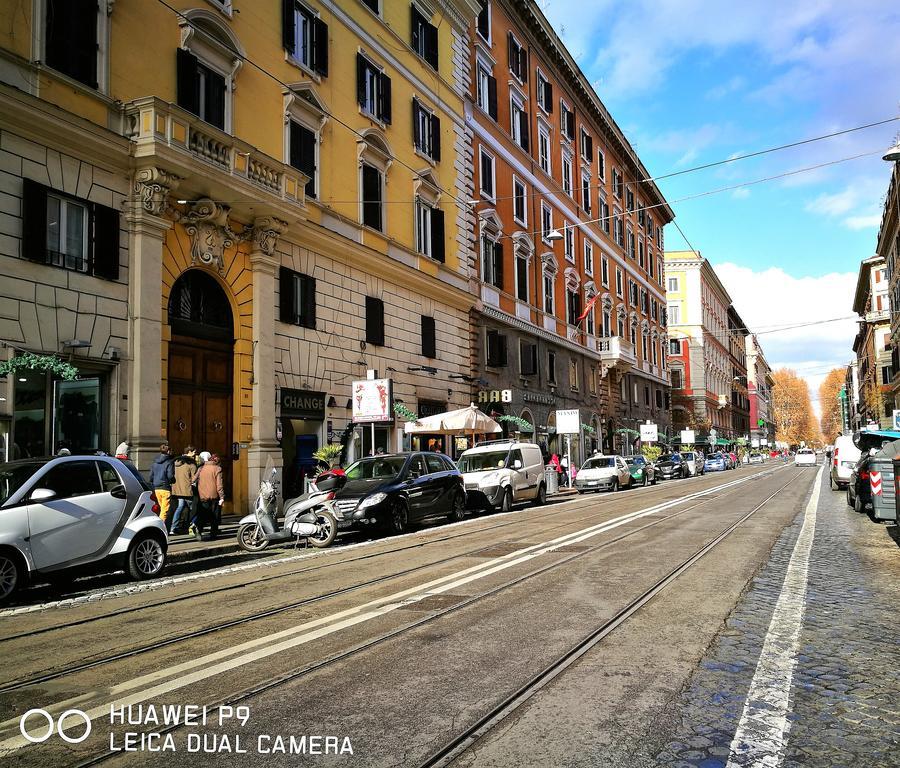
(398, 489)
(671, 465)
(859, 491)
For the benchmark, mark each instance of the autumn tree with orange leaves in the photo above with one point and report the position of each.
(792, 409)
(829, 391)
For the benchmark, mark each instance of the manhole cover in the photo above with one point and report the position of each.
(434, 603)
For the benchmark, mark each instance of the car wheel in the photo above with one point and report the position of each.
(251, 539)
(849, 499)
(398, 522)
(327, 530)
(458, 510)
(541, 497)
(10, 575)
(506, 501)
(644, 481)
(858, 505)
(615, 485)
(146, 558)
(830, 481)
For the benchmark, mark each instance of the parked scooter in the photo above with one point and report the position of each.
(305, 517)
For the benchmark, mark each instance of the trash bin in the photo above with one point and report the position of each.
(551, 478)
(884, 498)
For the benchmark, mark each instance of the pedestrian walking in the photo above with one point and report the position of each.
(162, 475)
(184, 488)
(564, 464)
(211, 493)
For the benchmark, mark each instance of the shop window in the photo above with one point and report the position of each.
(305, 36)
(429, 337)
(496, 349)
(71, 43)
(426, 131)
(68, 232)
(374, 321)
(424, 37)
(77, 415)
(373, 89)
(297, 294)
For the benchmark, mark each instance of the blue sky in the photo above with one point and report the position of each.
(692, 82)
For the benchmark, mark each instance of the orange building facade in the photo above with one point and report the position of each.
(569, 234)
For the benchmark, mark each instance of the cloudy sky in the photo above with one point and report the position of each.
(693, 82)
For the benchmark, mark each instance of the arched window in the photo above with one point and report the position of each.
(198, 307)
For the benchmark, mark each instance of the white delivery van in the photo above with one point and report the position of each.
(843, 460)
(500, 473)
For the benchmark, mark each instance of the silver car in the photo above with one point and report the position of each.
(74, 511)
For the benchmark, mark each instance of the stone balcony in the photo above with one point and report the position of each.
(210, 162)
(617, 351)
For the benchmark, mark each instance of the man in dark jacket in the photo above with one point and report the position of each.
(162, 475)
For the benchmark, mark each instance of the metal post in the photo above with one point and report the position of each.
(373, 437)
(569, 459)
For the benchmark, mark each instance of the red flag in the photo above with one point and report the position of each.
(588, 306)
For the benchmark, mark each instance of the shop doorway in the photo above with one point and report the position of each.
(201, 354)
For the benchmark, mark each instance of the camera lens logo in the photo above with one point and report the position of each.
(57, 725)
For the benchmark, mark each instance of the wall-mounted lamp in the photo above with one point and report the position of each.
(332, 403)
(423, 368)
(76, 344)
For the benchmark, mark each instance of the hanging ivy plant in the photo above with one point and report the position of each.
(522, 424)
(403, 412)
(48, 364)
(589, 429)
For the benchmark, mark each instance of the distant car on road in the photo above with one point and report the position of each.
(642, 471)
(68, 513)
(805, 457)
(603, 473)
(756, 458)
(715, 462)
(693, 461)
(843, 460)
(671, 466)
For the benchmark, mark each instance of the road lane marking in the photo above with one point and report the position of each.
(762, 732)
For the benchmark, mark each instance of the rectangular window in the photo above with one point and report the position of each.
(527, 358)
(674, 314)
(486, 175)
(886, 374)
(589, 322)
(521, 277)
(604, 271)
(549, 290)
(566, 120)
(71, 45)
(617, 183)
(645, 306)
(544, 92)
(544, 148)
(650, 261)
(586, 192)
(483, 25)
(423, 228)
(646, 395)
(676, 379)
(629, 200)
(587, 146)
(569, 242)
(551, 367)
(372, 197)
(620, 229)
(619, 282)
(305, 36)
(592, 379)
(496, 349)
(429, 337)
(573, 374)
(573, 307)
(492, 262)
(641, 254)
(424, 37)
(518, 122)
(374, 321)
(672, 284)
(546, 222)
(604, 215)
(303, 154)
(201, 90)
(630, 242)
(297, 298)
(373, 89)
(426, 131)
(520, 209)
(67, 233)
(518, 59)
(588, 258)
(601, 165)
(567, 172)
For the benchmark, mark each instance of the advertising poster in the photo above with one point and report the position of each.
(372, 401)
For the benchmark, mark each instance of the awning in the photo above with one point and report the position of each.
(460, 422)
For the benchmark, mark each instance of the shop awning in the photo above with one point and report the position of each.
(464, 421)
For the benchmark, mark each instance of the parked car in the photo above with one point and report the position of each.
(70, 513)
(499, 474)
(601, 473)
(693, 461)
(670, 466)
(877, 450)
(398, 489)
(843, 459)
(756, 458)
(805, 457)
(642, 471)
(715, 462)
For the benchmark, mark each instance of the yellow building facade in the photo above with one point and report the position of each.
(235, 209)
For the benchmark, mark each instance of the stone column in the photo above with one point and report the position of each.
(264, 263)
(147, 231)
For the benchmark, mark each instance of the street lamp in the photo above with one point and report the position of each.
(893, 154)
(553, 235)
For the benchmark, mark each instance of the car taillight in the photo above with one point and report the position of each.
(155, 507)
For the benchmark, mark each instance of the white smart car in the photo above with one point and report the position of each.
(805, 457)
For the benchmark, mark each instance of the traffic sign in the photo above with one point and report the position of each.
(687, 436)
(568, 422)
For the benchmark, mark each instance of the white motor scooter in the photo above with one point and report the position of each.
(306, 517)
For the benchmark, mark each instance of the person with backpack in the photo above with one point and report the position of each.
(162, 475)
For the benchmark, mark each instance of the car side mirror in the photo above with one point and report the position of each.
(517, 464)
(118, 492)
(42, 494)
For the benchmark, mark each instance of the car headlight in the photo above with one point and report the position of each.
(371, 501)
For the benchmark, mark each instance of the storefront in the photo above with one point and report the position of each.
(302, 434)
(436, 442)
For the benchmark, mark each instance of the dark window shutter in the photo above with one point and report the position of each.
(483, 27)
(431, 45)
(429, 340)
(523, 130)
(417, 138)
(215, 99)
(590, 148)
(371, 197)
(34, 221)
(106, 242)
(512, 51)
(384, 99)
(417, 22)
(548, 95)
(374, 321)
(523, 65)
(435, 138)
(287, 25)
(502, 350)
(361, 67)
(286, 295)
(320, 47)
(309, 302)
(437, 235)
(303, 154)
(71, 38)
(188, 82)
(498, 265)
(492, 96)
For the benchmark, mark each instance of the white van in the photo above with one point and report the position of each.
(843, 460)
(499, 474)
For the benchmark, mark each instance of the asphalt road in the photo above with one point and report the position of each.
(575, 635)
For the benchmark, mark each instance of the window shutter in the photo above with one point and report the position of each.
(361, 66)
(371, 178)
(384, 108)
(437, 235)
(320, 47)
(548, 96)
(416, 24)
(512, 53)
(435, 138)
(534, 358)
(589, 153)
(215, 99)
(523, 130)
(374, 321)
(417, 138)
(431, 45)
(287, 25)
(106, 242)
(523, 65)
(492, 96)
(34, 221)
(429, 340)
(286, 295)
(502, 350)
(498, 265)
(309, 302)
(188, 82)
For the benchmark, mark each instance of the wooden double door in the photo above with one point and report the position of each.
(200, 399)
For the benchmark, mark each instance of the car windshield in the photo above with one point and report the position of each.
(714, 457)
(479, 462)
(601, 462)
(639, 460)
(670, 457)
(376, 468)
(688, 456)
(14, 475)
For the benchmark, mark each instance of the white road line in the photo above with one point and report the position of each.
(195, 670)
(762, 732)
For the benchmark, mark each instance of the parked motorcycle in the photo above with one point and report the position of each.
(305, 517)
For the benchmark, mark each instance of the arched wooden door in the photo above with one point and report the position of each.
(201, 378)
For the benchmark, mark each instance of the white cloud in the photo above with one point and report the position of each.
(741, 193)
(863, 222)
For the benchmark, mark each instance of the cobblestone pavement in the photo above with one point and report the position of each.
(845, 697)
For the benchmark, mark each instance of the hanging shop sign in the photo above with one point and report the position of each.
(568, 422)
(649, 433)
(372, 401)
(687, 436)
(430, 408)
(302, 404)
(495, 396)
